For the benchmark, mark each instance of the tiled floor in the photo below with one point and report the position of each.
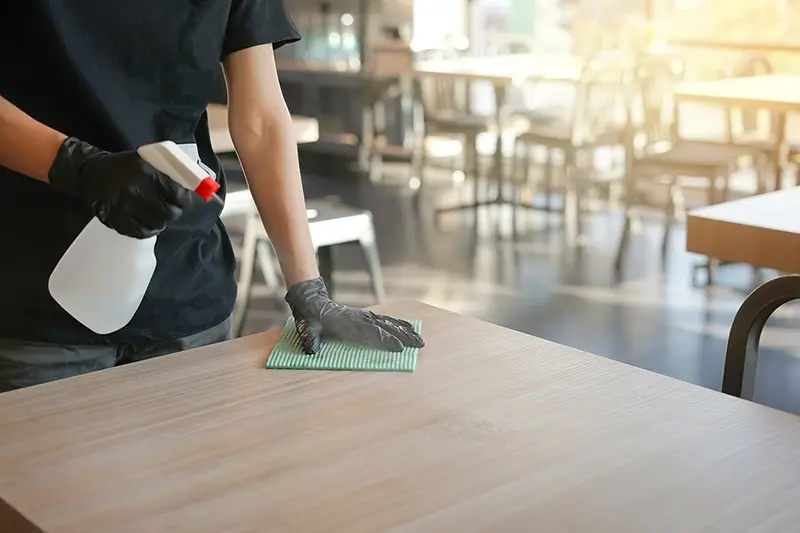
(653, 317)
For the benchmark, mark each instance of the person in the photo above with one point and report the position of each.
(86, 82)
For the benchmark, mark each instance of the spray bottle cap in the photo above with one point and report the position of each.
(168, 158)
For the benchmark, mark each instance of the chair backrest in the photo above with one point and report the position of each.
(442, 95)
(743, 67)
(601, 104)
(654, 110)
(437, 94)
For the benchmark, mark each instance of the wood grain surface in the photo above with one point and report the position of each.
(495, 432)
(762, 231)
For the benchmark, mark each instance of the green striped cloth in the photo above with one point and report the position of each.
(334, 355)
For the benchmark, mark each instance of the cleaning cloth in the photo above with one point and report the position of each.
(334, 355)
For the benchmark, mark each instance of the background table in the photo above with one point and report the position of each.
(763, 231)
(306, 129)
(496, 432)
(506, 69)
(779, 93)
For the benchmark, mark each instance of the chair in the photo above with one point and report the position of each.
(741, 355)
(658, 156)
(373, 144)
(744, 127)
(443, 103)
(331, 223)
(598, 120)
(743, 124)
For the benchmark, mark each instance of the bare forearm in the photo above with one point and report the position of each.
(26, 145)
(268, 152)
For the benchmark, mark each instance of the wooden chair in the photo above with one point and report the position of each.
(598, 120)
(444, 109)
(658, 156)
(745, 129)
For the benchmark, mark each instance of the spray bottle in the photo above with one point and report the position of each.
(102, 277)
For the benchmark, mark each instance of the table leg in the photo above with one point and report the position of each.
(497, 172)
(367, 140)
(781, 155)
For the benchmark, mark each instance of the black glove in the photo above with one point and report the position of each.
(316, 316)
(125, 193)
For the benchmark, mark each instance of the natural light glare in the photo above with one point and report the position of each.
(349, 41)
(437, 22)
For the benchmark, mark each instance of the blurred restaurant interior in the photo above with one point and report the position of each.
(548, 165)
(561, 241)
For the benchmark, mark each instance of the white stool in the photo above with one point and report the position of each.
(241, 204)
(330, 222)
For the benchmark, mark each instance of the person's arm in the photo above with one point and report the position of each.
(262, 133)
(26, 145)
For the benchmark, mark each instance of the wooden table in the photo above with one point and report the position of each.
(495, 432)
(505, 69)
(763, 231)
(779, 93)
(306, 129)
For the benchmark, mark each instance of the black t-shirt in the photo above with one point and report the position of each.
(120, 74)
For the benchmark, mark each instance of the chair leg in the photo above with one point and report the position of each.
(526, 164)
(267, 265)
(622, 245)
(548, 180)
(245, 281)
(629, 196)
(375, 156)
(670, 214)
(713, 198)
(516, 169)
(418, 162)
(325, 261)
(471, 165)
(370, 250)
(572, 201)
(711, 269)
(375, 166)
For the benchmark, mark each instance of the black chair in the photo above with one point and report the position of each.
(741, 355)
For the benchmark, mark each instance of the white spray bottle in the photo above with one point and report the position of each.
(102, 277)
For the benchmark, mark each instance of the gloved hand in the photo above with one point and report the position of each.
(125, 193)
(316, 316)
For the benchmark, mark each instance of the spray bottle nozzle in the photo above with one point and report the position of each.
(168, 158)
